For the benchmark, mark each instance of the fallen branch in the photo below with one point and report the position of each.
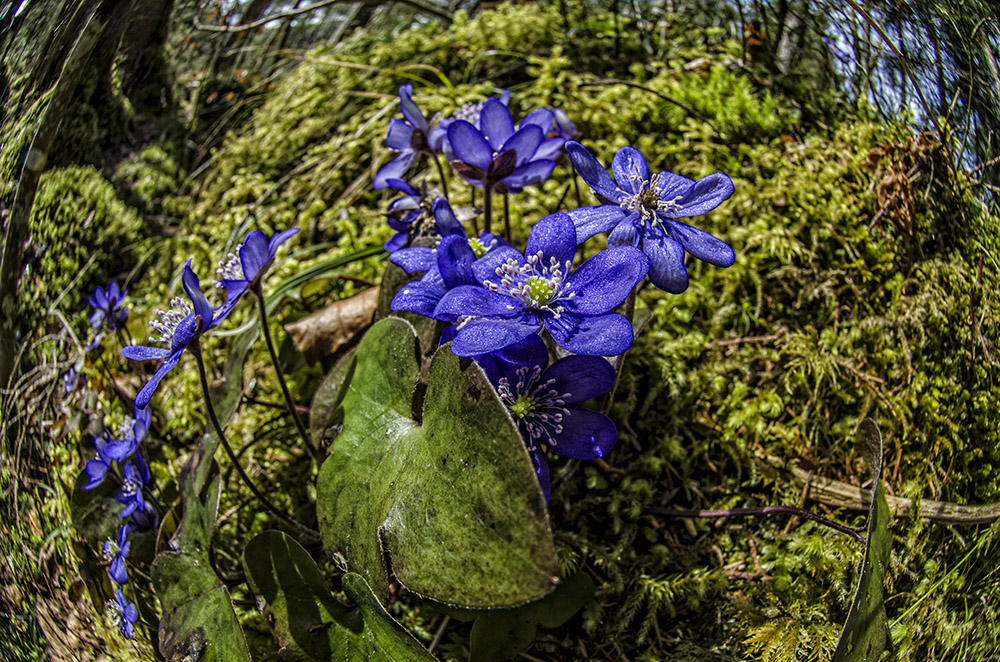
(843, 495)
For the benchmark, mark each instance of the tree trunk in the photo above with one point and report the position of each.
(17, 228)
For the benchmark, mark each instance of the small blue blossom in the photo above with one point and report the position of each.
(123, 614)
(133, 481)
(408, 136)
(96, 468)
(72, 379)
(642, 210)
(456, 261)
(525, 292)
(243, 271)
(542, 400)
(109, 306)
(181, 327)
(115, 552)
(495, 156)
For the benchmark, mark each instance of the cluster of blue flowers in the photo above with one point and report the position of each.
(180, 328)
(499, 299)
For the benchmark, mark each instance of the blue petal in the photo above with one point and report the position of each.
(554, 236)
(705, 195)
(414, 259)
(420, 297)
(143, 353)
(410, 109)
(479, 301)
(404, 187)
(95, 470)
(202, 307)
(703, 245)
(396, 242)
(602, 335)
(582, 377)
(146, 393)
(278, 239)
(253, 254)
(398, 135)
(445, 220)
(469, 144)
(233, 295)
(586, 435)
(564, 125)
(529, 174)
(602, 282)
(487, 335)
(592, 172)
(540, 117)
(667, 270)
(626, 233)
(394, 169)
(495, 123)
(525, 142)
(550, 148)
(630, 169)
(117, 570)
(454, 260)
(671, 185)
(590, 221)
(528, 352)
(541, 465)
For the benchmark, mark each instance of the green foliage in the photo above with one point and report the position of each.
(473, 531)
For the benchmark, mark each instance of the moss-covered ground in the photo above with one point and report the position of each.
(856, 293)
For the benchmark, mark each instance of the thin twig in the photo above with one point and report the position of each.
(765, 510)
(680, 104)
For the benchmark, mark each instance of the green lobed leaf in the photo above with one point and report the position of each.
(866, 633)
(308, 621)
(453, 501)
(197, 617)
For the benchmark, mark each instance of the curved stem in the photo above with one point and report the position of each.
(765, 510)
(444, 182)
(281, 377)
(270, 507)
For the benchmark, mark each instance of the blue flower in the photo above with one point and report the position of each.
(542, 401)
(642, 210)
(495, 156)
(96, 468)
(456, 261)
(408, 136)
(115, 552)
(132, 431)
(243, 271)
(537, 289)
(130, 494)
(123, 614)
(108, 306)
(72, 379)
(181, 326)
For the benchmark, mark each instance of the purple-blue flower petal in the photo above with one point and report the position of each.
(146, 393)
(143, 353)
(524, 142)
(469, 144)
(541, 465)
(444, 219)
(454, 261)
(550, 148)
(394, 169)
(582, 377)
(529, 174)
(253, 254)
(410, 109)
(626, 233)
(496, 123)
(396, 242)
(705, 195)
(605, 280)
(593, 172)
(421, 296)
(480, 336)
(667, 270)
(586, 435)
(192, 286)
(475, 300)
(485, 267)
(398, 135)
(554, 236)
(414, 259)
(278, 239)
(703, 245)
(590, 221)
(630, 169)
(602, 335)
(540, 117)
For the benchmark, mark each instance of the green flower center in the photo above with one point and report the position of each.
(477, 247)
(523, 406)
(540, 289)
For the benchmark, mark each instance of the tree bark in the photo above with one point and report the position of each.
(17, 227)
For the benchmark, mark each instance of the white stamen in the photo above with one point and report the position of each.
(231, 269)
(538, 286)
(169, 319)
(535, 404)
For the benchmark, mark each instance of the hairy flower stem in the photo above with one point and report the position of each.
(281, 377)
(195, 348)
(487, 208)
(444, 182)
(765, 510)
(629, 314)
(506, 215)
